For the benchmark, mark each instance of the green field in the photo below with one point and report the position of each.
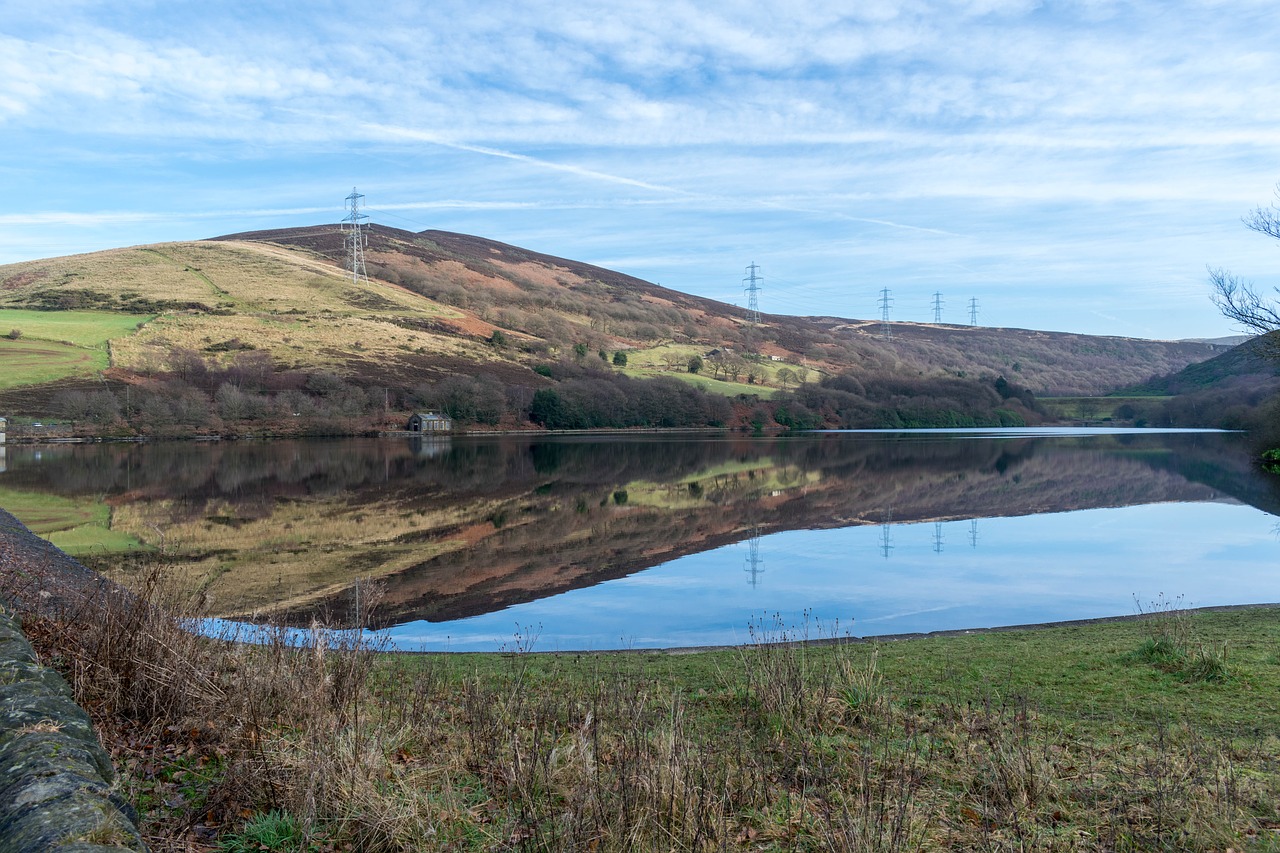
(1098, 408)
(652, 362)
(716, 386)
(81, 328)
(54, 345)
(30, 362)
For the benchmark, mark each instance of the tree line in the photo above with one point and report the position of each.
(847, 401)
(203, 394)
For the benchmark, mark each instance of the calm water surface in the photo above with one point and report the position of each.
(595, 542)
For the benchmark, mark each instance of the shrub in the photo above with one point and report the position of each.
(14, 334)
(273, 830)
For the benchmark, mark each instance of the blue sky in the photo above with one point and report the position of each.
(1071, 165)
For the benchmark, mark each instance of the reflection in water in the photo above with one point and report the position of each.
(886, 534)
(755, 563)
(457, 528)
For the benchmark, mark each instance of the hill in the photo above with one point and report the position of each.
(274, 313)
(516, 289)
(1233, 390)
(1254, 361)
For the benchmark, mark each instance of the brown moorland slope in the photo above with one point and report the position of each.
(278, 305)
(553, 300)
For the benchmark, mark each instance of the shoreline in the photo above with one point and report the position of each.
(41, 577)
(947, 632)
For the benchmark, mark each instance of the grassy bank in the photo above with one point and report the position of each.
(1095, 409)
(1150, 734)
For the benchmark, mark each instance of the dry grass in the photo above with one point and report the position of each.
(302, 310)
(312, 342)
(251, 277)
(771, 747)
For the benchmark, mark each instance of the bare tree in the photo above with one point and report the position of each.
(1237, 299)
(734, 365)
(717, 363)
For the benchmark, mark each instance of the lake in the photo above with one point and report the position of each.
(575, 542)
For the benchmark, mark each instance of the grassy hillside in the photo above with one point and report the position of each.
(1255, 358)
(268, 312)
(554, 301)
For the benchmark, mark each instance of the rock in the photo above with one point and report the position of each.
(55, 778)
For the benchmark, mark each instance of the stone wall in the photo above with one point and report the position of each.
(56, 790)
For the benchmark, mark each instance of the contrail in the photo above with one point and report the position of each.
(421, 136)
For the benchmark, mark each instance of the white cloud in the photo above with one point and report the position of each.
(1082, 145)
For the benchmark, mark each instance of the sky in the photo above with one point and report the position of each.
(1070, 166)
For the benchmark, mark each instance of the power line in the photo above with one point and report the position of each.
(357, 240)
(382, 212)
(792, 295)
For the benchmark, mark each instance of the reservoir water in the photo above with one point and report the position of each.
(659, 540)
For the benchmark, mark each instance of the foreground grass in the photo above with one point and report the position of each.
(1158, 734)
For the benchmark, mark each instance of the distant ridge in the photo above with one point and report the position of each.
(440, 304)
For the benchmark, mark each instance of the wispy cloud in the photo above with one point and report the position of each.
(401, 133)
(1087, 151)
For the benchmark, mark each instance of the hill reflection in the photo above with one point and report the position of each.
(458, 527)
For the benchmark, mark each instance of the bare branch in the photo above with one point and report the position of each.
(1265, 220)
(1238, 301)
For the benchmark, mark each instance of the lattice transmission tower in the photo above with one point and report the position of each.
(937, 306)
(755, 563)
(357, 240)
(751, 284)
(973, 311)
(886, 533)
(886, 302)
